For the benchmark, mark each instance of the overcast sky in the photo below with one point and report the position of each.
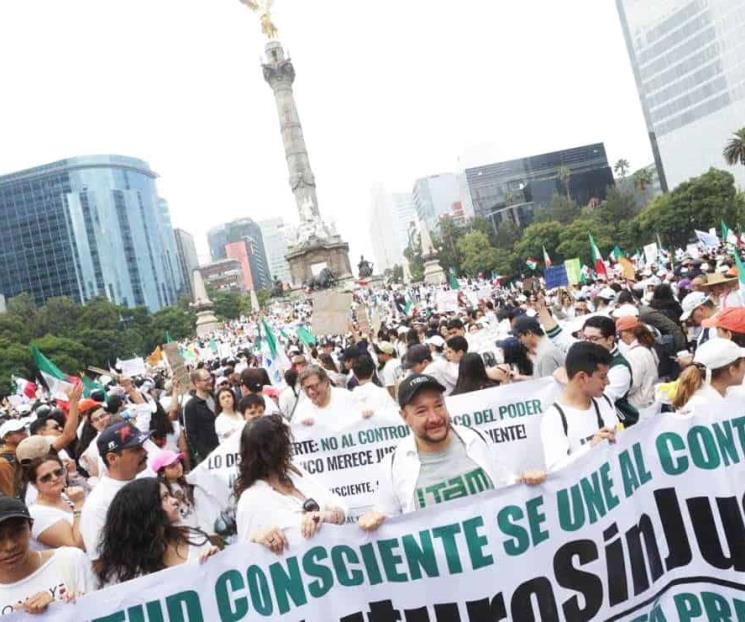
(388, 91)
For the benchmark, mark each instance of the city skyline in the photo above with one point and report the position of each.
(429, 101)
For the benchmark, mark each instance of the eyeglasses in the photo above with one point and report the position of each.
(314, 387)
(593, 338)
(311, 505)
(47, 477)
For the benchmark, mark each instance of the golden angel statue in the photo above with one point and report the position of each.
(264, 8)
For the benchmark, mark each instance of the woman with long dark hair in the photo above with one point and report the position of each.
(141, 534)
(87, 449)
(228, 419)
(273, 494)
(664, 300)
(472, 375)
(56, 511)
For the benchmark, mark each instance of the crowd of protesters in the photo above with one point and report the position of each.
(94, 489)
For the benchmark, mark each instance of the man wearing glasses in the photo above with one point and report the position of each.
(600, 330)
(325, 403)
(199, 417)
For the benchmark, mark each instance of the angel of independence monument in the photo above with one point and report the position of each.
(316, 247)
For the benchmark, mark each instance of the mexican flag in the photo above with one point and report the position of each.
(616, 253)
(531, 263)
(274, 359)
(740, 270)
(728, 236)
(597, 258)
(53, 376)
(546, 258)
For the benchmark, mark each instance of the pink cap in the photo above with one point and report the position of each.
(165, 458)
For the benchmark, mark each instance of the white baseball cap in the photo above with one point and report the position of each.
(692, 302)
(718, 352)
(11, 425)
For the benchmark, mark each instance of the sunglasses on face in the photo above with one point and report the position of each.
(47, 477)
(311, 505)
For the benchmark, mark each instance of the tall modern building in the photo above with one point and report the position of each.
(187, 256)
(514, 189)
(276, 236)
(435, 196)
(242, 240)
(87, 227)
(391, 218)
(688, 61)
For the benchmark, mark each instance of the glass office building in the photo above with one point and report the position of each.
(243, 229)
(87, 227)
(688, 58)
(513, 190)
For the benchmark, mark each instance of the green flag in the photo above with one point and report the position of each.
(740, 269)
(453, 278)
(305, 336)
(90, 385)
(728, 236)
(168, 337)
(574, 270)
(617, 253)
(269, 337)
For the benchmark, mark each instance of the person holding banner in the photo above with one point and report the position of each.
(324, 402)
(583, 416)
(32, 580)
(438, 461)
(142, 534)
(275, 495)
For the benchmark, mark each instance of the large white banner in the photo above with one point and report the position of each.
(648, 529)
(345, 455)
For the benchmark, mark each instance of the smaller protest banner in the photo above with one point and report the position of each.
(651, 252)
(331, 313)
(709, 240)
(574, 270)
(132, 367)
(556, 276)
(447, 300)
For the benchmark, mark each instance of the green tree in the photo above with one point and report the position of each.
(15, 329)
(618, 207)
(15, 361)
(227, 304)
(176, 322)
(478, 254)
(397, 274)
(59, 316)
(23, 305)
(621, 167)
(643, 179)
(69, 355)
(538, 236)
(734, 152)
(699, 203)
(562, 210)
(573, 240)
(507, 235)
(446, 243)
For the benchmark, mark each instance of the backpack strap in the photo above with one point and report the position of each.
(601, 423)
(564, 423)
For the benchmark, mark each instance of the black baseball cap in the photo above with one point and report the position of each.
(526, 324)
(415, 355)
(10, 507)
(414, 383)
(122, 435)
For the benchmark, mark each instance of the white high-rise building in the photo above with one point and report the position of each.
(436, 196)
(688, 58)
(391, 216)
(276, 236)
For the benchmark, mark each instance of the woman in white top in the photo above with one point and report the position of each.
(142, 534)
(56, 511)
(31, 580)
(638, 350)
(273, 494)
(718, 365)
(228, 420)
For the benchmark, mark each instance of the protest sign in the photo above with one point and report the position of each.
(331, 313)
(574, 271)
(447, 300)
(555, 276)
(344, 456)
(647, 529)
(132, 367)
(177, 365)
(709, 240)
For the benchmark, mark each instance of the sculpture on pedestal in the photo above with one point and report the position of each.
(206, 320)
(316, 243)
(364, 268)
(433, 272)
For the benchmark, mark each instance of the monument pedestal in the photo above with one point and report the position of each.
(308, 260)
(206, 323)
(433, 272)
